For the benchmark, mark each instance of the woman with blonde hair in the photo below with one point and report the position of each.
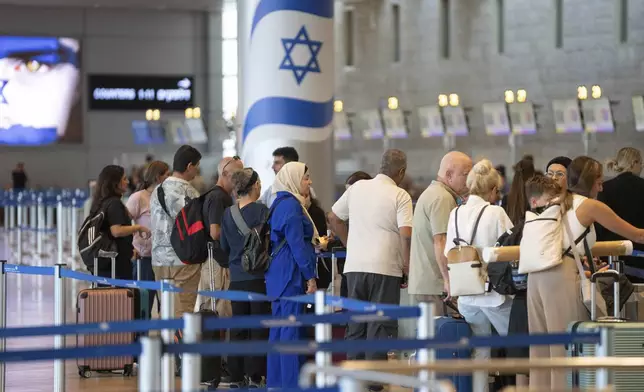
(481, 222)
(623, 194)
(292, 271)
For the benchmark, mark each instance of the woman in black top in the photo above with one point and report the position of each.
(111, 185)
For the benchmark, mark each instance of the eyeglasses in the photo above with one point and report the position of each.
(235, 158)
(556, 174)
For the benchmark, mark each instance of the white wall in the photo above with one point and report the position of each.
(132, 42)
(476, 71)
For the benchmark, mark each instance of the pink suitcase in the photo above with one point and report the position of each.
(105, 304)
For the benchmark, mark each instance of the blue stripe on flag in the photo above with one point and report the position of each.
(288, 111)
(321, 8)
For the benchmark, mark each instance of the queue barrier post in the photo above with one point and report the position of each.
(59, 229)
(191, 363)
(74, 233)
(350, 384)
(59, 319)
(322, 334)
(149, 364)
(602, 375)
(40, 229)
(425, 330)
(19, 231)
(167, 313)
(5, 207)
(50, 216)
(3, 320)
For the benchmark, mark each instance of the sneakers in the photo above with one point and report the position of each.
(246, 383)
(238, 385)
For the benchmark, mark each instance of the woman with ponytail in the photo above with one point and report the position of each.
(516, 203)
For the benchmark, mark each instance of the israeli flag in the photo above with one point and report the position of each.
(38, 84)
(288, 77)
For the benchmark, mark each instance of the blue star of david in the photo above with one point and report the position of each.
(300, 71)
(3, 84)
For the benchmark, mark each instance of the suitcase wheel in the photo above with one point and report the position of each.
(84, 372)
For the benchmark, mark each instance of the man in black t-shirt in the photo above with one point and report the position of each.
(216, 202)
(19, 177)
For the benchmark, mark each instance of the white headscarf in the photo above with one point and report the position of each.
(289, 179)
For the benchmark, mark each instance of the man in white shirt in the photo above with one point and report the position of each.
(378, 242)
(428, 276)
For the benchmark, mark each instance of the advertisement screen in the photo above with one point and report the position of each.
(140, 92)
(39, 91)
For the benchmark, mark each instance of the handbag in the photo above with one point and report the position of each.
(467, 274)
(586, 287)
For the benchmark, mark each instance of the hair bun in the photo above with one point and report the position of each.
(483, 167)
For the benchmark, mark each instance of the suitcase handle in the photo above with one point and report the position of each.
(614, 275)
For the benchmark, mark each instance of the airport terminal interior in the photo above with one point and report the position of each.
(179, 177)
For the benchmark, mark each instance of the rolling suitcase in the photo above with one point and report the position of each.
(624, 340)
(105, 304)
(211, 367)
(454, 328)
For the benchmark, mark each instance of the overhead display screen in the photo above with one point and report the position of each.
(567, 116)
(496, 119)
(39, 91)
(140, 92)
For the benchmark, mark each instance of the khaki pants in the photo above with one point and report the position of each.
(185, 277)
(554, 301)
(221, 283)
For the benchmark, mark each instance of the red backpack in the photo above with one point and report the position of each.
(190, 236)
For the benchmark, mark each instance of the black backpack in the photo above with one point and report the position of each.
(92, 238)
(190, 236)
(504, 277)
(257, 255)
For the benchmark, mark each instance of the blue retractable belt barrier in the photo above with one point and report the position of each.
(28, 270)
(210, 323)
(302, 347)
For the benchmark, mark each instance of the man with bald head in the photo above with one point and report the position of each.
(428, 276)
(216, 201)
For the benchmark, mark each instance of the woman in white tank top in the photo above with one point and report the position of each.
(554, 295)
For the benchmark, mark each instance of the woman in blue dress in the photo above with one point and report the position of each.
(293, 269)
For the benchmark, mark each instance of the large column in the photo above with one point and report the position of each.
(287, 84)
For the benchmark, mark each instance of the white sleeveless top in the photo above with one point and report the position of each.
(577, 228)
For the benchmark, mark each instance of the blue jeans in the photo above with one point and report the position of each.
(147, 274)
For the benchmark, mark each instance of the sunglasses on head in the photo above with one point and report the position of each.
(235, 158)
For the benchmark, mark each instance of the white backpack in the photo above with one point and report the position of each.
(542, 242)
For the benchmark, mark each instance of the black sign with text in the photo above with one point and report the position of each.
(119, 92)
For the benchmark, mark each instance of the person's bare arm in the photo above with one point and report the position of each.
(215, 232)
(119, 231)
(439, 250)
(405, 239)
(591, 211)
(339, 227)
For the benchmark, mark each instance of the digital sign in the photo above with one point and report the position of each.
(118, 92)
(39, 91)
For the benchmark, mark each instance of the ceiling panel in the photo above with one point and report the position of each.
(197, 5)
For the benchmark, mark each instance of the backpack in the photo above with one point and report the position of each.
(542, 241)
(189, 237)
(467, 274)
(92, 238)
(257, 255)
(504, 277)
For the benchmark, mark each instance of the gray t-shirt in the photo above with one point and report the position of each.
(431, 217)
